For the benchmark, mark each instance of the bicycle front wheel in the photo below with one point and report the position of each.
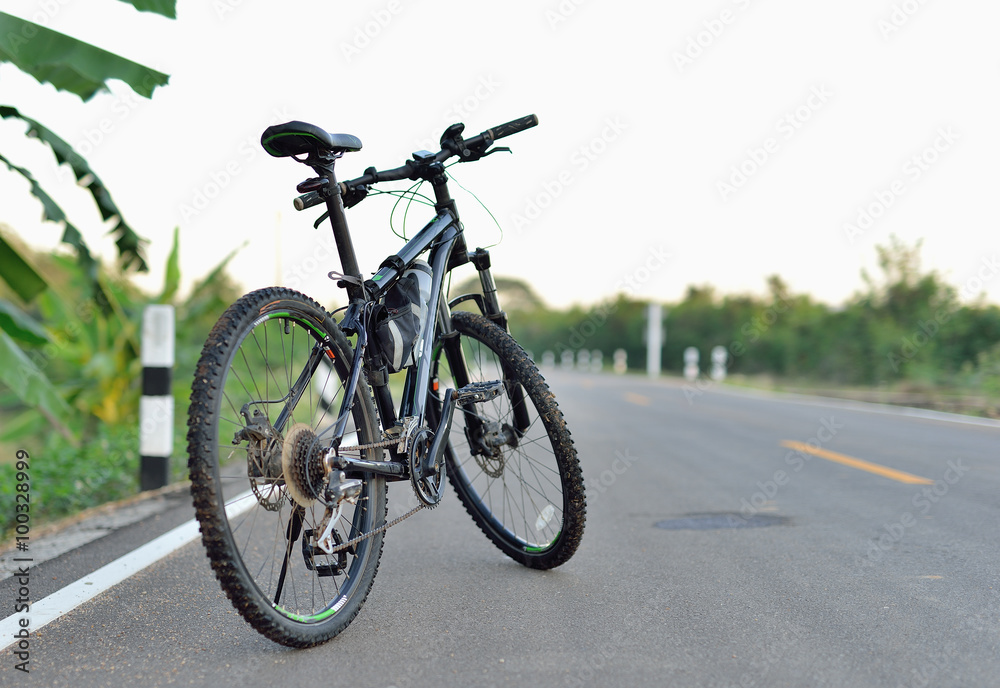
(511, 460)
(275, 360)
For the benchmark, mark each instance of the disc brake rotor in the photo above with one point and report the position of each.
(263, 463)
(489, 449)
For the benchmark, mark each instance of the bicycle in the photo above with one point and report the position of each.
(294, 432)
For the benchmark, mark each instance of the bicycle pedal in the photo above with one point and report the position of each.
(476, 392)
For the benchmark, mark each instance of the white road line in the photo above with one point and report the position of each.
(73, 595)
(79, 534)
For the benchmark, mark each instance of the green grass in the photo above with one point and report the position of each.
(66, 479)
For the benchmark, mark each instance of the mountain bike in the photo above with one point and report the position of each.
(294, 431)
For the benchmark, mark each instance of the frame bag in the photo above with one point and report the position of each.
(397, 324)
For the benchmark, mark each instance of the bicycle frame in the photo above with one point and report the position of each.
(443, 238)
(440, 237)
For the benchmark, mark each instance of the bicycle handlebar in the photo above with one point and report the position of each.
(472, 149)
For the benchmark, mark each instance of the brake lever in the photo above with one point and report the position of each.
(469, 155)
(498, 149)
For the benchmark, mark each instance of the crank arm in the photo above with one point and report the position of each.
(441, 433)
(472, 393)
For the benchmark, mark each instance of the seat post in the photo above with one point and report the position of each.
(342, 235)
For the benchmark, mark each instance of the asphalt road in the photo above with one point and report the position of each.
(715, 554)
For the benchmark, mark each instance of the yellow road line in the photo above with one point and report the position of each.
(637, 399)
(884, 471)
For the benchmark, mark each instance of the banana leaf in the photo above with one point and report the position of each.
(20, 325)
(168, 8)
(18, 273)
(172, 278)
(131, 246)
(70, 64)
(26, 379)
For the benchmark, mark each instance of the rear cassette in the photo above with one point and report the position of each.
(302, 465)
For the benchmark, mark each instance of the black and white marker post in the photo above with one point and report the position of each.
(156, 408)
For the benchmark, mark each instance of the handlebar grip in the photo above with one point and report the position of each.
(513, 127)
(307, 200)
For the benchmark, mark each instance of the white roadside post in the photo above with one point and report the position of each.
(691, 364)
(156, 408)
(654, 339)
(596, 361)
(719, 359)
(620, 358)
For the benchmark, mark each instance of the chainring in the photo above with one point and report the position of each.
(428, 490)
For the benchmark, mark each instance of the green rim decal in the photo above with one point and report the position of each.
(299, 321)
(542, 548)
(337, 606)
(307, 619)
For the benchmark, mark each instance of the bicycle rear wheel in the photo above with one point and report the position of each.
(511, 460)
(252, 385)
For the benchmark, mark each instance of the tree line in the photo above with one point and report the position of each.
(904, 324)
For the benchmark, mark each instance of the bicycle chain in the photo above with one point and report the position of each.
(381, 444)
(372, 533)
(385, 526)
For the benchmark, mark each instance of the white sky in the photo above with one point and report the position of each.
(634, 144)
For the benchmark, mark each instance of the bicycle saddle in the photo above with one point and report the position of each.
(295, 138)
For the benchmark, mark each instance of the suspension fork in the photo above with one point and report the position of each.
(491, 307)
(491, 304)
